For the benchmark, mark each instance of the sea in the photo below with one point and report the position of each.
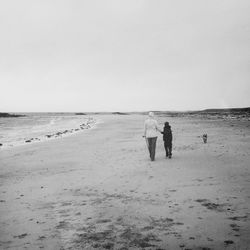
(38, 127)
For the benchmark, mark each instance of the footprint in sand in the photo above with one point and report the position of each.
(235, 227)
(41, 238)
(62, 225)
(21, 236)
(119, 219)
(103, 221)
(199, 180)
(147, 228)
(209, 239)
(66, 204)
(234, 198)
(228, 242)
(238, 218)
(211, 206)
(172, 190)
(65, 215)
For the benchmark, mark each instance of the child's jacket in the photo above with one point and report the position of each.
(167, 134)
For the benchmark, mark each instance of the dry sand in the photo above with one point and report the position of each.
(99, 190)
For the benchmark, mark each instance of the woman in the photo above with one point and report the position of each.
(150, 133)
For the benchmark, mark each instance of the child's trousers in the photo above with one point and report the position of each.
(168, 149)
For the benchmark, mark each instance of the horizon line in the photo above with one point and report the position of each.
(117, 111)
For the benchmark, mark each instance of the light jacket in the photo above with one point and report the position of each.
(150, 128)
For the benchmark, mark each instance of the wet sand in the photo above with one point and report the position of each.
(98, 189)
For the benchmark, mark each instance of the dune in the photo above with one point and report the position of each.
(98, 189)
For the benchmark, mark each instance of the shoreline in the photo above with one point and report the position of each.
(90, 124)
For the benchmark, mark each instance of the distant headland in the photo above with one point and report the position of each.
(8, 115)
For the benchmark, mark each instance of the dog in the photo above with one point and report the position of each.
(204, 138)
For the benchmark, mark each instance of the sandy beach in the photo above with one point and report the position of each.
(98, 189)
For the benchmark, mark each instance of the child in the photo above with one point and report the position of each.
(167, 138)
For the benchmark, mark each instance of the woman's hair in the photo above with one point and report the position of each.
(151, 114)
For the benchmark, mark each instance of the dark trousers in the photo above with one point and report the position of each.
(168, 148)
(151, 147)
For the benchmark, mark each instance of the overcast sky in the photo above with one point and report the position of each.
(126, 55)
